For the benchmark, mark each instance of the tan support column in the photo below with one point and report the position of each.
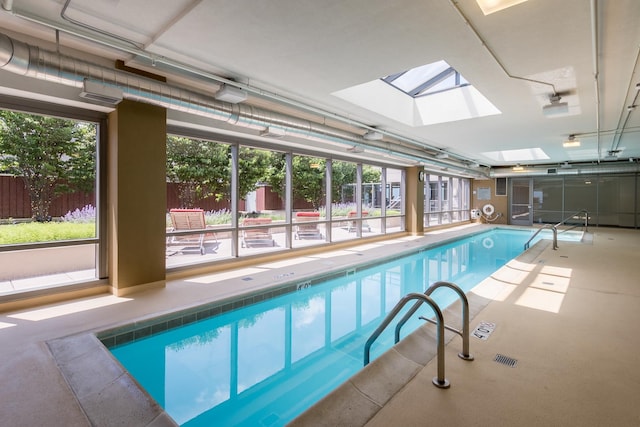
(137, 197)
(415, 200)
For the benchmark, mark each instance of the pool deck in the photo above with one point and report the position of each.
(567, 316)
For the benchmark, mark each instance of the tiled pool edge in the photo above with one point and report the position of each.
(107, 394)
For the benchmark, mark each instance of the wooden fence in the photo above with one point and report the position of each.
(16, 203)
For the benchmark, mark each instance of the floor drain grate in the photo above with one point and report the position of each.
(505, 360)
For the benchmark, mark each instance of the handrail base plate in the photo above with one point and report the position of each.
(444, 384)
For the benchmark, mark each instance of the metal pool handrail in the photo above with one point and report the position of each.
(440, 380)
(554, 228)
(464, 333)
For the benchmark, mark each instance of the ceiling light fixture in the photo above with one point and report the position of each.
(518, 168)
(99, 92)
(442, 155)
(231, 94)
(272, 132)
(612, 155)
(555, 106)
(571, 142)
(372, 135)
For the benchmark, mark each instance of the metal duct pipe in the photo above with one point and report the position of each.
(585, 169)
(31, 61)
(596, 67)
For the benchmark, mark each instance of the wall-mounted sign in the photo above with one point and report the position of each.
(484, 193)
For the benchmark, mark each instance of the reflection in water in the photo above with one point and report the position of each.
(266, 363)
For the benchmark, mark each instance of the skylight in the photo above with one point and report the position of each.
(426, 79)
(491, 6)
(421, 96)
(519, 155)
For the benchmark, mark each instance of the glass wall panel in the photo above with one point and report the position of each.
(637, 201)
(372, 198)
(198, 198)
(48, 194)
(344, 201)
(432, 200)
(581, 192)
(466, 197)
(446, 200)
(547, 200)
(394, 199)
(309, 200)
(627, 201)
(262, 223)
(616, 202)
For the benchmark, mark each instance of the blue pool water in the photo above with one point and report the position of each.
(264, 364)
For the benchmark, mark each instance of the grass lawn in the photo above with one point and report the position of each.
(11, 234)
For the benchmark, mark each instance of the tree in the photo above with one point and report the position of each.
(199, 168)
(344, 179)
(202, 169)
(307, 178)
(255, 168)
(52, 156)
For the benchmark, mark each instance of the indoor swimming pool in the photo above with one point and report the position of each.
(265, 363)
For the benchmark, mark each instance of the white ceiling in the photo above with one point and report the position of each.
(304, 51)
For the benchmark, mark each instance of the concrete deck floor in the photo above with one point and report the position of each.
(568, 317)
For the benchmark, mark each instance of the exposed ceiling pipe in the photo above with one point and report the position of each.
(574, 169)
(484, 44)
(627, 109)
(596, 67)
(23, 59)
(131, 48)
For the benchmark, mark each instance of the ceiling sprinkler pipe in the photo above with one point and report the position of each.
(31, 61)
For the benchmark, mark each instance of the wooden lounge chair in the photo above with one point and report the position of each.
(188, 219)
(353, 225)
(252, 237)
(307, 231)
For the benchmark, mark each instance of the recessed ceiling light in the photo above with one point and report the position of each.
(490, 6)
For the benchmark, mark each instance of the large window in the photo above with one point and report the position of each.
(446, 200)
(228, 200)
(49, 201)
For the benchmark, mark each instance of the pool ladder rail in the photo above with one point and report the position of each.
(425, 298)
(554, 228)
